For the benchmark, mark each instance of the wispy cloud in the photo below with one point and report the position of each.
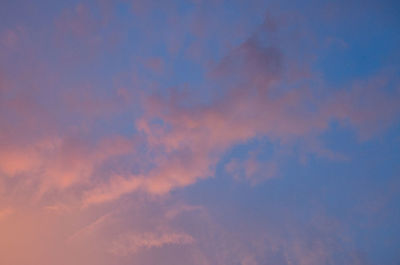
(131, 243)
(128, 128)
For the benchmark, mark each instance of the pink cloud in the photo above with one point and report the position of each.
(155, 64)
(4, 213)
(189, 142)
(10, 38)
(252, 170)
(366, 105)
(78, 21)
(130, 244)
(258, 99)
(67, 149)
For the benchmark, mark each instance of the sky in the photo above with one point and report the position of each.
(199, 132)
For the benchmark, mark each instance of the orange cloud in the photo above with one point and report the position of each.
(4, 213)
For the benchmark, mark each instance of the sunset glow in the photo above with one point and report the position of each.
(199, 132)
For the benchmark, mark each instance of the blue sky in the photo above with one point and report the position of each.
(199, 132)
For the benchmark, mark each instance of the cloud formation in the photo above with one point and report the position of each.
(197, 132)
(130, 244)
